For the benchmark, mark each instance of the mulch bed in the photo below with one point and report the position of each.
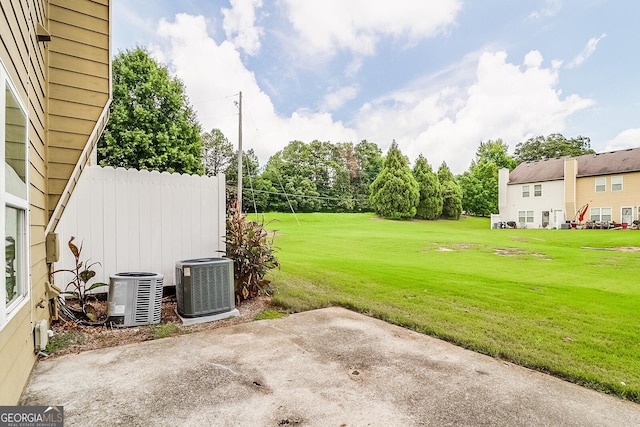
(80, 337)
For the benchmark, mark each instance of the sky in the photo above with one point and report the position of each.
(439, 77)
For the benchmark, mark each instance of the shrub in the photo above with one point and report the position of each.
(251, 250)
(395, 192)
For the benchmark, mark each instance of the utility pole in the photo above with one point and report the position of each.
(239, 201)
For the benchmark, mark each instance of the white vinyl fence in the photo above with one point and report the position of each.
(140, 221)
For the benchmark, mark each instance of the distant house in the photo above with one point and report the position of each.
(54, 102)
(547, 193)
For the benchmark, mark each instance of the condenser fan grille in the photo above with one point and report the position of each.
(149, 302)
(206, 296)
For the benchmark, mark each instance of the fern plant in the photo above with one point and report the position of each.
(252, 252)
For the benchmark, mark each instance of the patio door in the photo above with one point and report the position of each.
(626, 215)
(558, 218)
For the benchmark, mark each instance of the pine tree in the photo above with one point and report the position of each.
(451, 193)
(430, 204)
(395, 192)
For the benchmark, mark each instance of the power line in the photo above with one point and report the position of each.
(307, 196)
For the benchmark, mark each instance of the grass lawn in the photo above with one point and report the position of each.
(551, 300)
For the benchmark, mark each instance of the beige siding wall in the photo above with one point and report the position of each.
(570, 190)
(628, 197)
(79, 84)
(25, 61)
(65, 85)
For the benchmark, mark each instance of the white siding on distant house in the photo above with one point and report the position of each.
(551, 200)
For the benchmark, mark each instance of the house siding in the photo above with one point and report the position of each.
(79, 83)
(24, 59)
(551, 200)
(616, 200)
(65, 86)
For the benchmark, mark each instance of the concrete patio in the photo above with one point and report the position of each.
(328, 367)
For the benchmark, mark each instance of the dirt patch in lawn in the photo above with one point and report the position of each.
(70, 337)
(616, 249)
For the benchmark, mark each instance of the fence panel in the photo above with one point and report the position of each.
(131, 220)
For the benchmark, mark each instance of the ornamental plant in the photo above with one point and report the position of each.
(251, 249)
(78, 287)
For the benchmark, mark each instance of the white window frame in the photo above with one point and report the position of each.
(601, 184)
(615, 183)
(8, 200)
(525, 191)
(598, 214)
(530, 216)
(522, 217)
(537, 190)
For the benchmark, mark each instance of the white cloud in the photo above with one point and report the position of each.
(588, 50)
(505, 101)
(444, 115)
(552, 8)
(328, 26)
(339, 97)
(625, 139)
(239, 25)
(213, 75)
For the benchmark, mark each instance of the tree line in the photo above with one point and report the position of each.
(152, 126)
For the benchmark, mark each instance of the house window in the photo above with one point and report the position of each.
(600, 214)
(525, 191)
(537, 190)
(525, 216)
(616, 183)
(601, 185)
(13, 221)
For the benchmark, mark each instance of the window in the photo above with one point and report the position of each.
(525, 216)
(537, 190)
(601, 185)
(525, 191)
(600, 214)
(616, 183)
(13, 220)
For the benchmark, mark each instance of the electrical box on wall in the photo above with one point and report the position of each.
(52, 247)
(42, 333)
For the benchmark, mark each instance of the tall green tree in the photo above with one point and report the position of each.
(480, 183)
(257, 190)
(151, 124)
(451, 193)
(496, 152)
(430, 204)
(395, 192)
(369, 162)
(217, 152)
(549, 147)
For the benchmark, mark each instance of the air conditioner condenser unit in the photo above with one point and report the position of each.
(135, 298)
(204, 286)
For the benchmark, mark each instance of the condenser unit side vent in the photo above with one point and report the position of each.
(135, 299)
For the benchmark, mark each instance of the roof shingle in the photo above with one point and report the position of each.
(612, 162)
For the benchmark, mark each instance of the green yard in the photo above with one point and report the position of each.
(560, 301)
